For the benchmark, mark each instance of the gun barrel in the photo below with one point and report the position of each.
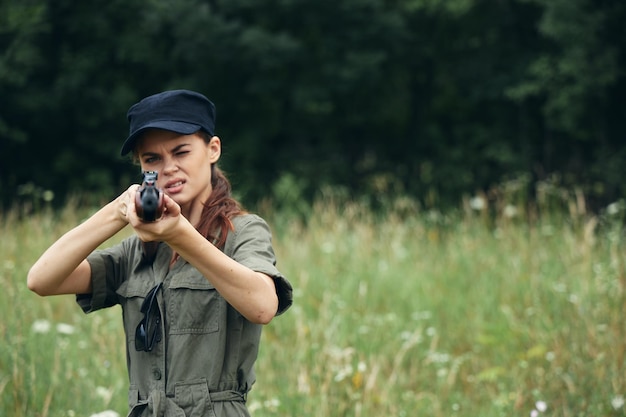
(149, 198)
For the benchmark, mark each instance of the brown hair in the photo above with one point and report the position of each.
(219, 208)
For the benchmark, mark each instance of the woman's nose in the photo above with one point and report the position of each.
(169, 166)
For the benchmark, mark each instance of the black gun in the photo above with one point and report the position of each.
(149, 198)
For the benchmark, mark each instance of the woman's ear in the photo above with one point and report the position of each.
(214, 148)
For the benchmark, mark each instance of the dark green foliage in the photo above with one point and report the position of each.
(428, 97)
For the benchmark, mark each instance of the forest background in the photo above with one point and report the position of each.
(435, 99)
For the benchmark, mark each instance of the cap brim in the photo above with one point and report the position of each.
(178, 127)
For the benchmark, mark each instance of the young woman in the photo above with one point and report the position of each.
(195, 285)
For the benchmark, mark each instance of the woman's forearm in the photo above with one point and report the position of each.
(60, 269)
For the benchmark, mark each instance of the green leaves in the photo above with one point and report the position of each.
(577, 64)
(335, 93)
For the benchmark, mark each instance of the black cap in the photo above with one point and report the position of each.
(180, 111)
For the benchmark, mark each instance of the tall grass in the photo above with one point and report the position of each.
(494, 310)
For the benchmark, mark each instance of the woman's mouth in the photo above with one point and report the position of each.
(174, 187)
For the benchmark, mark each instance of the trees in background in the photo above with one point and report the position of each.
(434, 98)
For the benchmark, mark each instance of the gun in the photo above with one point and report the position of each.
(149, 198)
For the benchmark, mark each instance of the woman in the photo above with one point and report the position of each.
(195, 285)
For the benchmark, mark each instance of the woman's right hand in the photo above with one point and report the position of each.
(125, 201)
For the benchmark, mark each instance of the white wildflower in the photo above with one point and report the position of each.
(439, 357)
(541, 406)
(272, 403)
(344, 373)
(411, 337)
(510, 211)
(65, 328)
(48, 196)
(105, 393)
(477, 203)
(107, 413)
(254, 406)
(617, 402)
(304, 387)
(41, 326)
(613, 208)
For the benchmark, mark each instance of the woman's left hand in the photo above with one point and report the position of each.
(160, 229)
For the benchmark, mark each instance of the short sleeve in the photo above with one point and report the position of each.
(250, 244)
(106, 275)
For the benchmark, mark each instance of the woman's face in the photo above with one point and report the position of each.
(183, 163)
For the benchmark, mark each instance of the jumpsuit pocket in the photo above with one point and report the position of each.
(131, 296)
(156, 405)
(193, 397)
(194, 305)
(136, 289)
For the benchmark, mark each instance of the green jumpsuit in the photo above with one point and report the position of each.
(204, 363)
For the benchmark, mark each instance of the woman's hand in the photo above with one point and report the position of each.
(162, 228)
(123, 202)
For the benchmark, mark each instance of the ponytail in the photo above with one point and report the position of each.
(220, 207)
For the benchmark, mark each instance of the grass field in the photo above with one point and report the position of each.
(407, 313)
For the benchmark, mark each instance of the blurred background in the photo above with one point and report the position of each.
(512, 110)
(434, 99)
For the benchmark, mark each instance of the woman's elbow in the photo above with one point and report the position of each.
(264, 318)
(34, 284)
(265, 312)
(38, 281)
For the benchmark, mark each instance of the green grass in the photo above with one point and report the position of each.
(405, 313)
